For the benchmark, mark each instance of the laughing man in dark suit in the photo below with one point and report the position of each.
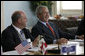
(52, 34)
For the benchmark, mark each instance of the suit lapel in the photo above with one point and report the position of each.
(44, 28)
(26, 32)
(15, 33)
(55, 29)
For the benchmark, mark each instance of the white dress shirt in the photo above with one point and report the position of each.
(20, 36)
(17, 29)
(43, 22)
(54, 41)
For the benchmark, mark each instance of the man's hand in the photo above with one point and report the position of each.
(35, 42)
(81, 37)
(62, 41)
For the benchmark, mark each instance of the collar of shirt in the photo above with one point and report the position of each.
(18, 29)
(43, 22)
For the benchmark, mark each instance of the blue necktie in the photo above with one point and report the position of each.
(22, 35)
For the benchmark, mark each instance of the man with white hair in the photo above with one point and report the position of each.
(52, 34)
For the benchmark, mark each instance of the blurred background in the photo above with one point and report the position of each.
(65, 14)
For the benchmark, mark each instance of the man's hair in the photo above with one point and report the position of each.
(39, 9)
(15, 16)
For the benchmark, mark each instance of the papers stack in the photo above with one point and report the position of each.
(49, 47)
(14, 53)
(81, 42)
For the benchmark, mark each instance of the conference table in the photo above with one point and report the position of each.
(79, 49)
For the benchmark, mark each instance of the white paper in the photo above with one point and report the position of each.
(34, 49)
(48, 48)
(29, 40)
(77, 40)
(52, 47)
(14, 53)
(10, 53)
(81, 42)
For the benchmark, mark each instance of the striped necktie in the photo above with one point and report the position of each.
(22, 35)
(51, 29)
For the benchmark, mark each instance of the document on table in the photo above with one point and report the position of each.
(52, 47)
(48, 48)
(34, 49)
(13, 53)
(77, 40)
(81, 42)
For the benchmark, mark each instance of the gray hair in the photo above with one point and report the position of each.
(39, 9)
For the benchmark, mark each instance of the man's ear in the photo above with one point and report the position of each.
(39, 15)
(19, 20)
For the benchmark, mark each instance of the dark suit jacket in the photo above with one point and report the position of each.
(40, 29)
(80, 30)
(10, 38)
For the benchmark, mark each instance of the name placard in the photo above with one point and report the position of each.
(68, 49)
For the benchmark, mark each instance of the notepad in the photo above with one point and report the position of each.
(81, 42)
(77, 40)
(49, 47)
(52, 47)
(34, 49)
